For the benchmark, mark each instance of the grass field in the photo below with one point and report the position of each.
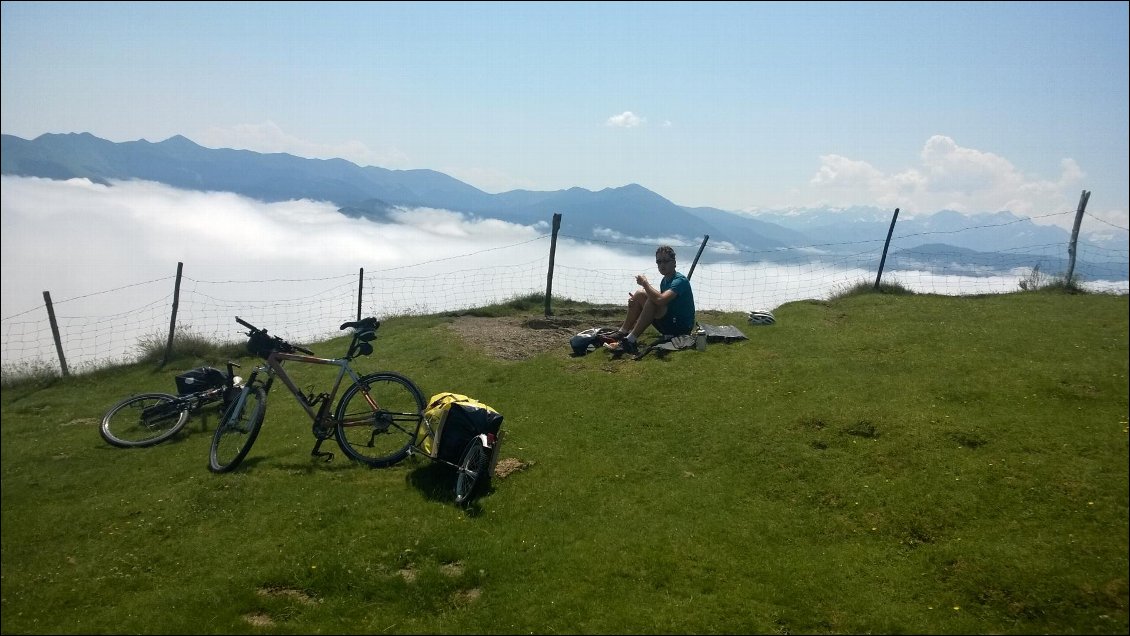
(870, 464)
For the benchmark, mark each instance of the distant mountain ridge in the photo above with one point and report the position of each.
(371, 192)
(359, 191)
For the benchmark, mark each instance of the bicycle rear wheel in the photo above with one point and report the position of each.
(144, 420)
(237, 429)
(472, 471)
(377, 418)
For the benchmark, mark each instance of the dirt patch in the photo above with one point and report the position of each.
(452, 569)
(509, 465)
(521, 337)
(259, 619)
(466, 597)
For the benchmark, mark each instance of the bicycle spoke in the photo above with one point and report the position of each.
(471, 472)
(383, 436)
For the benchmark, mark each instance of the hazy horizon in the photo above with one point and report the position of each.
(975, 107)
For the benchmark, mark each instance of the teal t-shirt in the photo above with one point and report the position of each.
(680, 311)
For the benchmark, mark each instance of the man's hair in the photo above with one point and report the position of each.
(666, 251)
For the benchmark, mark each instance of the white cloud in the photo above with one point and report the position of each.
(841, 173)
(81, 240)
(626, 119)
(950, 177)
(74, 237)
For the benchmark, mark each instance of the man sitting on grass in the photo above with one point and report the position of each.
(670, 308)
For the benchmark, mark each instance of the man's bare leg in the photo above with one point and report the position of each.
(641, 313)
(636, 303)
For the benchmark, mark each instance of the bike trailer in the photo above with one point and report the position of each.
(453, 420)
(200, 379)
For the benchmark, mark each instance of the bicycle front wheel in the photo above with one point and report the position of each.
(144, 420)
(378, 418)
(238, 429)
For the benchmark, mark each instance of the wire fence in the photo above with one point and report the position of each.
(726, 279)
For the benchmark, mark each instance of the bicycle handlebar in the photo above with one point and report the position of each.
(280, 344)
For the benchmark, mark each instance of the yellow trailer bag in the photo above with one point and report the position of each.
(452, 421)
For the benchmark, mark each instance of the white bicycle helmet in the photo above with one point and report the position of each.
(761, 318)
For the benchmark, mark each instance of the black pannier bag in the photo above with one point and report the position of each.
(200, 379)
(454, 420)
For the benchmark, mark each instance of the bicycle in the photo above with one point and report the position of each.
(148, 419)
(372, 411)
(377, 422)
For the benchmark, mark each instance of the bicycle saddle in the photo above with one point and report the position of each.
(363, 325)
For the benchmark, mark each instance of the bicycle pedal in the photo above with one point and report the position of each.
(327, 454)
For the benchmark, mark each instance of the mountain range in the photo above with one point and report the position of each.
(630, 211)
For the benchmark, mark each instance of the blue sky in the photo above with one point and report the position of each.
(970, 106)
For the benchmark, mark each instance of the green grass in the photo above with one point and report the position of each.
(876, 463)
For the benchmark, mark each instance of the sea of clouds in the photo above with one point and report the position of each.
(77, 239)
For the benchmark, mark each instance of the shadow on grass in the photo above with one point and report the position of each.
(436, 481)
(331, 463)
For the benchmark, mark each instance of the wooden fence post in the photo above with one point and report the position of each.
(55, 333)
(883, 260)
(173, 318)
(360, 290)
(700, 248)
(552, 253)
(1083, 198)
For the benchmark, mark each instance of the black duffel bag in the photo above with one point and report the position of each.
(200, 379)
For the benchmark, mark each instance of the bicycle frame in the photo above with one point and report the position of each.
(192, 402)
(275, 369)
(321, 428)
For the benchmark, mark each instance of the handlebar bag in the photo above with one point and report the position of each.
(200, 379)
(260, 344)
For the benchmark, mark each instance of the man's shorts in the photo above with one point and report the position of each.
(666, 326)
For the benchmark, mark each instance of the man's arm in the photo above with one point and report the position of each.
(660, 299)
